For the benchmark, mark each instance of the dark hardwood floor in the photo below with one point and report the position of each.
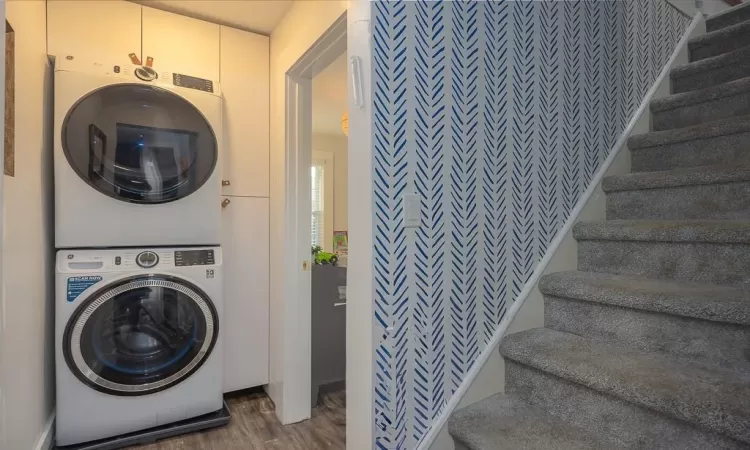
(254, 426)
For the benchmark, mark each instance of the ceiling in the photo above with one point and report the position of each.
(329, 98)
(258, 16)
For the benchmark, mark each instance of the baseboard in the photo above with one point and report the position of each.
(590, 206)
(47, 438)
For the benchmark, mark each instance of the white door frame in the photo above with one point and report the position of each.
(297, 257)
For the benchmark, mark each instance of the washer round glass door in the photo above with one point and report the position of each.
(140, 335)
(139, 143)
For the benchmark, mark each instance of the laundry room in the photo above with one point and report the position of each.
(139, 246)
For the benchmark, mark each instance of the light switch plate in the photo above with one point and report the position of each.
(412, 204)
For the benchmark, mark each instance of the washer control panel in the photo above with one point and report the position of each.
(123, 260)
(146, 259)
(194, 258)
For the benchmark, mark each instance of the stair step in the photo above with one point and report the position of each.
(729, 17)
(713, 192)
(725, 141)
(642, 400)
(724, 40)
(703, 323)
(730, 99)
(703, 251)
(502, 422)
(711, 71)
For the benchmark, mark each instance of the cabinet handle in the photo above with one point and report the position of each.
(225, 183)
(225, 202)
(340, 304)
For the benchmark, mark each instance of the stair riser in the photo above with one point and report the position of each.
(686, 116)
(629, 425)
(710, 201)
(712, 343)
(711, 77)
(689, 261)
(727, 149)
(719, 47)
(729, 19)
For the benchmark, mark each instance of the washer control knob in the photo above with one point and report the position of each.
(146, 73)
(147, 259)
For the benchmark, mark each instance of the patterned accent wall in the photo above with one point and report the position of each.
(497, 114)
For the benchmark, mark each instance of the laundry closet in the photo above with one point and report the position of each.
(219, 77)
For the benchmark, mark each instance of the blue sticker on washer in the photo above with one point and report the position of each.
(76, 285)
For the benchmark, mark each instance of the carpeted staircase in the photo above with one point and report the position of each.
(647, 345)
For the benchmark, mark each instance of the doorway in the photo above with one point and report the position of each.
(329, 231)
(306, 227)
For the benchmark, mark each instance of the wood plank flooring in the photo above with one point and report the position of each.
(254, 426)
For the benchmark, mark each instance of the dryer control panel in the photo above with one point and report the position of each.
(132, 72)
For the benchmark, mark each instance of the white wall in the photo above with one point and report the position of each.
(338, 145)
(27, 255)
(298, 31)
(690, 7)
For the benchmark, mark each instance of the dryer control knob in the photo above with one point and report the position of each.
(147, 259)
(146, 73)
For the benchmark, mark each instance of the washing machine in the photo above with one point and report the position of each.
(136, 155)
(138, 339)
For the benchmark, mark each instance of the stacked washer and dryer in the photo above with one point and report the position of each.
(137, 228)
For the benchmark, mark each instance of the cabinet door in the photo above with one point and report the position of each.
(245, 86)
(115, 32)
(180, 44)
(245, 246)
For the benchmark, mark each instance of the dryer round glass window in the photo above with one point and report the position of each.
(139, 143)
(141, 335)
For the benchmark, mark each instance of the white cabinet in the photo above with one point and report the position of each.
(245, 244)
(245, 86)
(93, 30)
(180, 44)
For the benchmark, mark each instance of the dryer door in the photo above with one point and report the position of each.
(139, 143)
(141, 335)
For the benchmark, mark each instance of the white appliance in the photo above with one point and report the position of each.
(138, 339)
(136, 157)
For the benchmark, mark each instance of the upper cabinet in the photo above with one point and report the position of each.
(93, 30)
(180, 44)
(244, 83)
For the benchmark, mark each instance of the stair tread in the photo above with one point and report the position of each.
(716, 303)
(718, 400)
(692, 176)
(683, 99)
(715, 21)
(711, 63)
(728, 32)
(733, 125)
(505, 422)
(712, 231)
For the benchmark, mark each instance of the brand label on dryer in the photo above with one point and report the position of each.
(76, 285)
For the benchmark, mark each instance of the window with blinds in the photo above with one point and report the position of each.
(317, 173)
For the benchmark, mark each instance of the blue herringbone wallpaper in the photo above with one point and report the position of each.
(497, 114)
